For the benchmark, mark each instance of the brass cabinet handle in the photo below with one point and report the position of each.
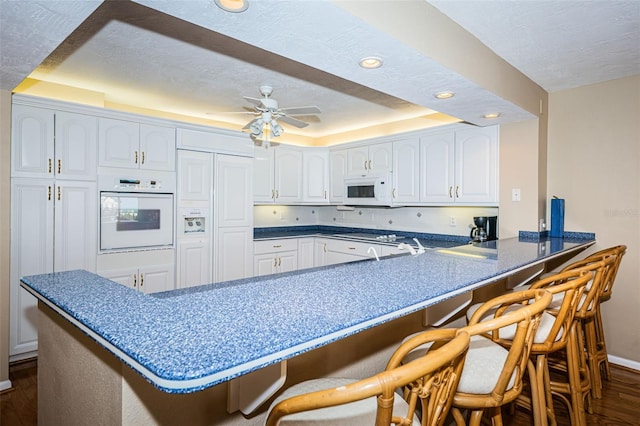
(457, 191)
(365, 164)
(50, 165)
(59, 165)
(136, 159)
(277, 245)
(141, 280)
(277, 194)
(450, 193)
(49, 194)
(324, 247)
(393, 193)
(279, 261)
(273, 194)
(135, 281)
(325, 195)
(351, 248)
(142, 162)
(370, 165)
(275, 262)
(59, 194)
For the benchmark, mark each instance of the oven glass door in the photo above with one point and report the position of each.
(135, 220)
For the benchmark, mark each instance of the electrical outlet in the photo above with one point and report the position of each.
(452, 221)
(542, 226)
(515, 194)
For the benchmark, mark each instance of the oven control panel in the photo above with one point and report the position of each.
(130, 184)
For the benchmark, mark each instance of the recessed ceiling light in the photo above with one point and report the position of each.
(492, 115)
(235, 6)
(444, 95)
(370, 62)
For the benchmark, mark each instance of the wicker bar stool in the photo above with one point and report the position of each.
(552, 336)
(492, 374)
(592, 329)
(601, 356)
(575, 389)
(429, 380)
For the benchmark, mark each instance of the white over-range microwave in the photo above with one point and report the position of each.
(368, 190)
(136, 213)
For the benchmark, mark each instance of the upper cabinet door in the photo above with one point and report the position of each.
(157, 148)
(358, 161)
(32, 133)
(118, 143)
(316, 176)
(76, 146)
(194, 177)
(337, 173)
(437, 168)
(263, 175)
(381, 157)
(234, 191)
(476, 165)
(288, 175)
(406, 171)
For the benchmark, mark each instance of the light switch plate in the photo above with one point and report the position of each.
(515, 194)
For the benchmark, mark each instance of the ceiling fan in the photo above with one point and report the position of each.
(268, 114)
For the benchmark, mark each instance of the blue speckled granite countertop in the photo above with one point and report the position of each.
(189, 339)
(426, 239)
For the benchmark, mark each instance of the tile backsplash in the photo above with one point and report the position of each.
(437, 220)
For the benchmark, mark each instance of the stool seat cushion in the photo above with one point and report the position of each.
(356, 413)
(482, 366)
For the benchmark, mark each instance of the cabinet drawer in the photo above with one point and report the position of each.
(275, 246)
(351, 247)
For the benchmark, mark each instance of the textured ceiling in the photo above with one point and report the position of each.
(191, 58)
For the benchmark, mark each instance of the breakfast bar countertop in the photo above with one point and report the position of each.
(189, 339)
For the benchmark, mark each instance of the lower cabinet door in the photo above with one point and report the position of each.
(156, 278)
(193, 263)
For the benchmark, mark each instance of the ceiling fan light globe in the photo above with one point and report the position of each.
(276, 129)
(256, 128)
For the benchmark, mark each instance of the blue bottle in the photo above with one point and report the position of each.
(557, 217)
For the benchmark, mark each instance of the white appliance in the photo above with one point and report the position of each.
(136, 213)
(368, 190)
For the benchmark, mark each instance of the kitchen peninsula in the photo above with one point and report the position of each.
(97, 334)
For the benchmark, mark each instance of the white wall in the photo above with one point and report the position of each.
(594, 163)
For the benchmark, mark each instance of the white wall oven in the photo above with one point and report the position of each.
(136, 213)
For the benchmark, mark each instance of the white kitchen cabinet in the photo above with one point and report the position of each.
(460, 166)
(274, 256)
(319, 252)
(306, 253)
(337, 173)
(278, 175)
(193, 263)
(146, 279)
(477, 165)
(194, 178)
(233, 235)
(368, 159)
(406, 171)
(147, 271)
(234, 253)
(136, 146)
(234, 191)
(48, 143)
(315, 176)
(53, 228)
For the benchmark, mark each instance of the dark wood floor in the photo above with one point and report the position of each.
(620, 405)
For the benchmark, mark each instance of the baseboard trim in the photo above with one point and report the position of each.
(4, 385)
(634, 365)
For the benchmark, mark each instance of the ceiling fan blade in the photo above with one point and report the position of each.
(293, 121)
(255, 101)
(307, 110)
(246, 127)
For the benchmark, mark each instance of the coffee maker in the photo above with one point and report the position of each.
(486, 228)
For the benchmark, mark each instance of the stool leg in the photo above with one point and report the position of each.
(603, 357)
(592, 358)
(573, 370)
